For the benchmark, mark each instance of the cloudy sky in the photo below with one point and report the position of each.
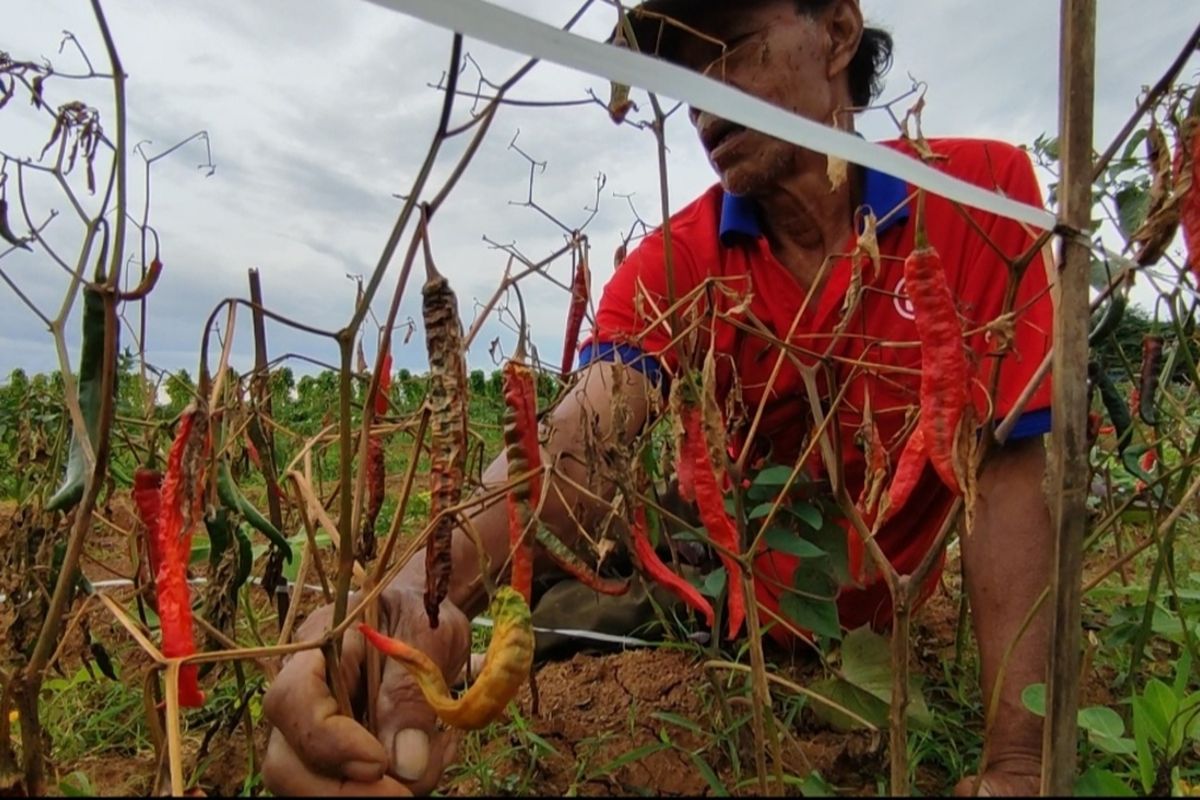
(319, 112)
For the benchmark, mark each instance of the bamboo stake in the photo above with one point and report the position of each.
(1069, 451)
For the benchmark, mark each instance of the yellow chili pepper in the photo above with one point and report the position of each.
(505, 669)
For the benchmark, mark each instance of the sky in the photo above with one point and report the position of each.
(319, 113)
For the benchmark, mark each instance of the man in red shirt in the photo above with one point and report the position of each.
(775, 235)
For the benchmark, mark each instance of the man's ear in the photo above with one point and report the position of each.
(843, 31)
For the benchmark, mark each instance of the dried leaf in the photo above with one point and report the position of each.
(835, 170)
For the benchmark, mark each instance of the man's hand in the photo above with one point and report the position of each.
(314, 750)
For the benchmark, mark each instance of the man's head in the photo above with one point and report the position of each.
(812, 57)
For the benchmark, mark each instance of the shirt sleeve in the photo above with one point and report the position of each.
(632, 322)
(1014, 346)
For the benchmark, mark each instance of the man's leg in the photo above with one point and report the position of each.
(1007, 564)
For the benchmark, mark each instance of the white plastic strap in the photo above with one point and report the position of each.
(513, 31)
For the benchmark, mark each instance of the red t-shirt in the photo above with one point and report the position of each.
(716, 247)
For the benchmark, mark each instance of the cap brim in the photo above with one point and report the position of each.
(656, 23)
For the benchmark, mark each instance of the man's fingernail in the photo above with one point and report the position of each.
(410, 754)
(363, 771)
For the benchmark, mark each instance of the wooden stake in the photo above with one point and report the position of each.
(1069, 451)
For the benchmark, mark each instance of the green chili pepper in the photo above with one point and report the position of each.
(1108, 319)
(1115, 405)
(228, 492)
(91, 358)
(245, 557)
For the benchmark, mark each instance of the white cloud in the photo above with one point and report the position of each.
(319, 111)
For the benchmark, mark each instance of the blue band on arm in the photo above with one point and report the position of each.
(1030, 424)
(625, 354)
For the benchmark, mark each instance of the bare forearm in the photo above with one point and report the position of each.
(586, 413)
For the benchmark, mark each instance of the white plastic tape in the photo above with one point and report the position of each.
(512, 31)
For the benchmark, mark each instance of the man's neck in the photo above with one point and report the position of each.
(806, 220)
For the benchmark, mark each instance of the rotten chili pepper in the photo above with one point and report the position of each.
(505, 669)
(523, 454)
(182, 507)
(447, 402)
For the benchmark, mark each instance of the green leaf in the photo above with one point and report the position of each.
(761, 510)
(77, 784)
(773, 476)
(710, 777)
(817, 615)
(832, 539)
(865, 685)
(1101, 783)
(1133, 202)
(809, 514)
(1102, 721)
(1033, 697)
(680, 721)
(1119, 746)
(816, 786)
(714, 583)
(789, 542)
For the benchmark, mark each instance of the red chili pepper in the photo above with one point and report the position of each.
(523, 452)
(147, 497)
(1152, 356)
(653, 566)
(384, 389)
(182, 507)
(908, 472)
(579, 300)
(252, 452)
(710, 502)
(945, 379)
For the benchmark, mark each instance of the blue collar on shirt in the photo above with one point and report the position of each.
(882, 192)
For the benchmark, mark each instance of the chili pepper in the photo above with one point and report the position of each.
(1117, 410)
(908, 472)
(654, 566)
(147, 497)
(6, 233)
(91, 358)
(580, 289)
(944, 373)
(245, 556)
(447, 401)
(376, 486)
(182, 508)
(1157, 230)
(232, 498)
(1187, 183)
(568, 561)
(103, 659)
(1109, 318)
(505, 668)
(523, 454)
(710, 501)
(1093, 426)
(1152, 352)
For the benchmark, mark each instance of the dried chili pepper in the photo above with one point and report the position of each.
(569, 562)
(944, 373)
(505, 669)
(6, 233)
(1152, 355)
(91, 359)
(182, 507)
(376, 467)
(232, 498)
(654, 566)
(523, 454)
(1162, 216)
(447, 401)
(1187, 183)
(1109, 318)
(710, 501)
(580, 291)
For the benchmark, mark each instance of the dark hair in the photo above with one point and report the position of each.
(871, 61)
